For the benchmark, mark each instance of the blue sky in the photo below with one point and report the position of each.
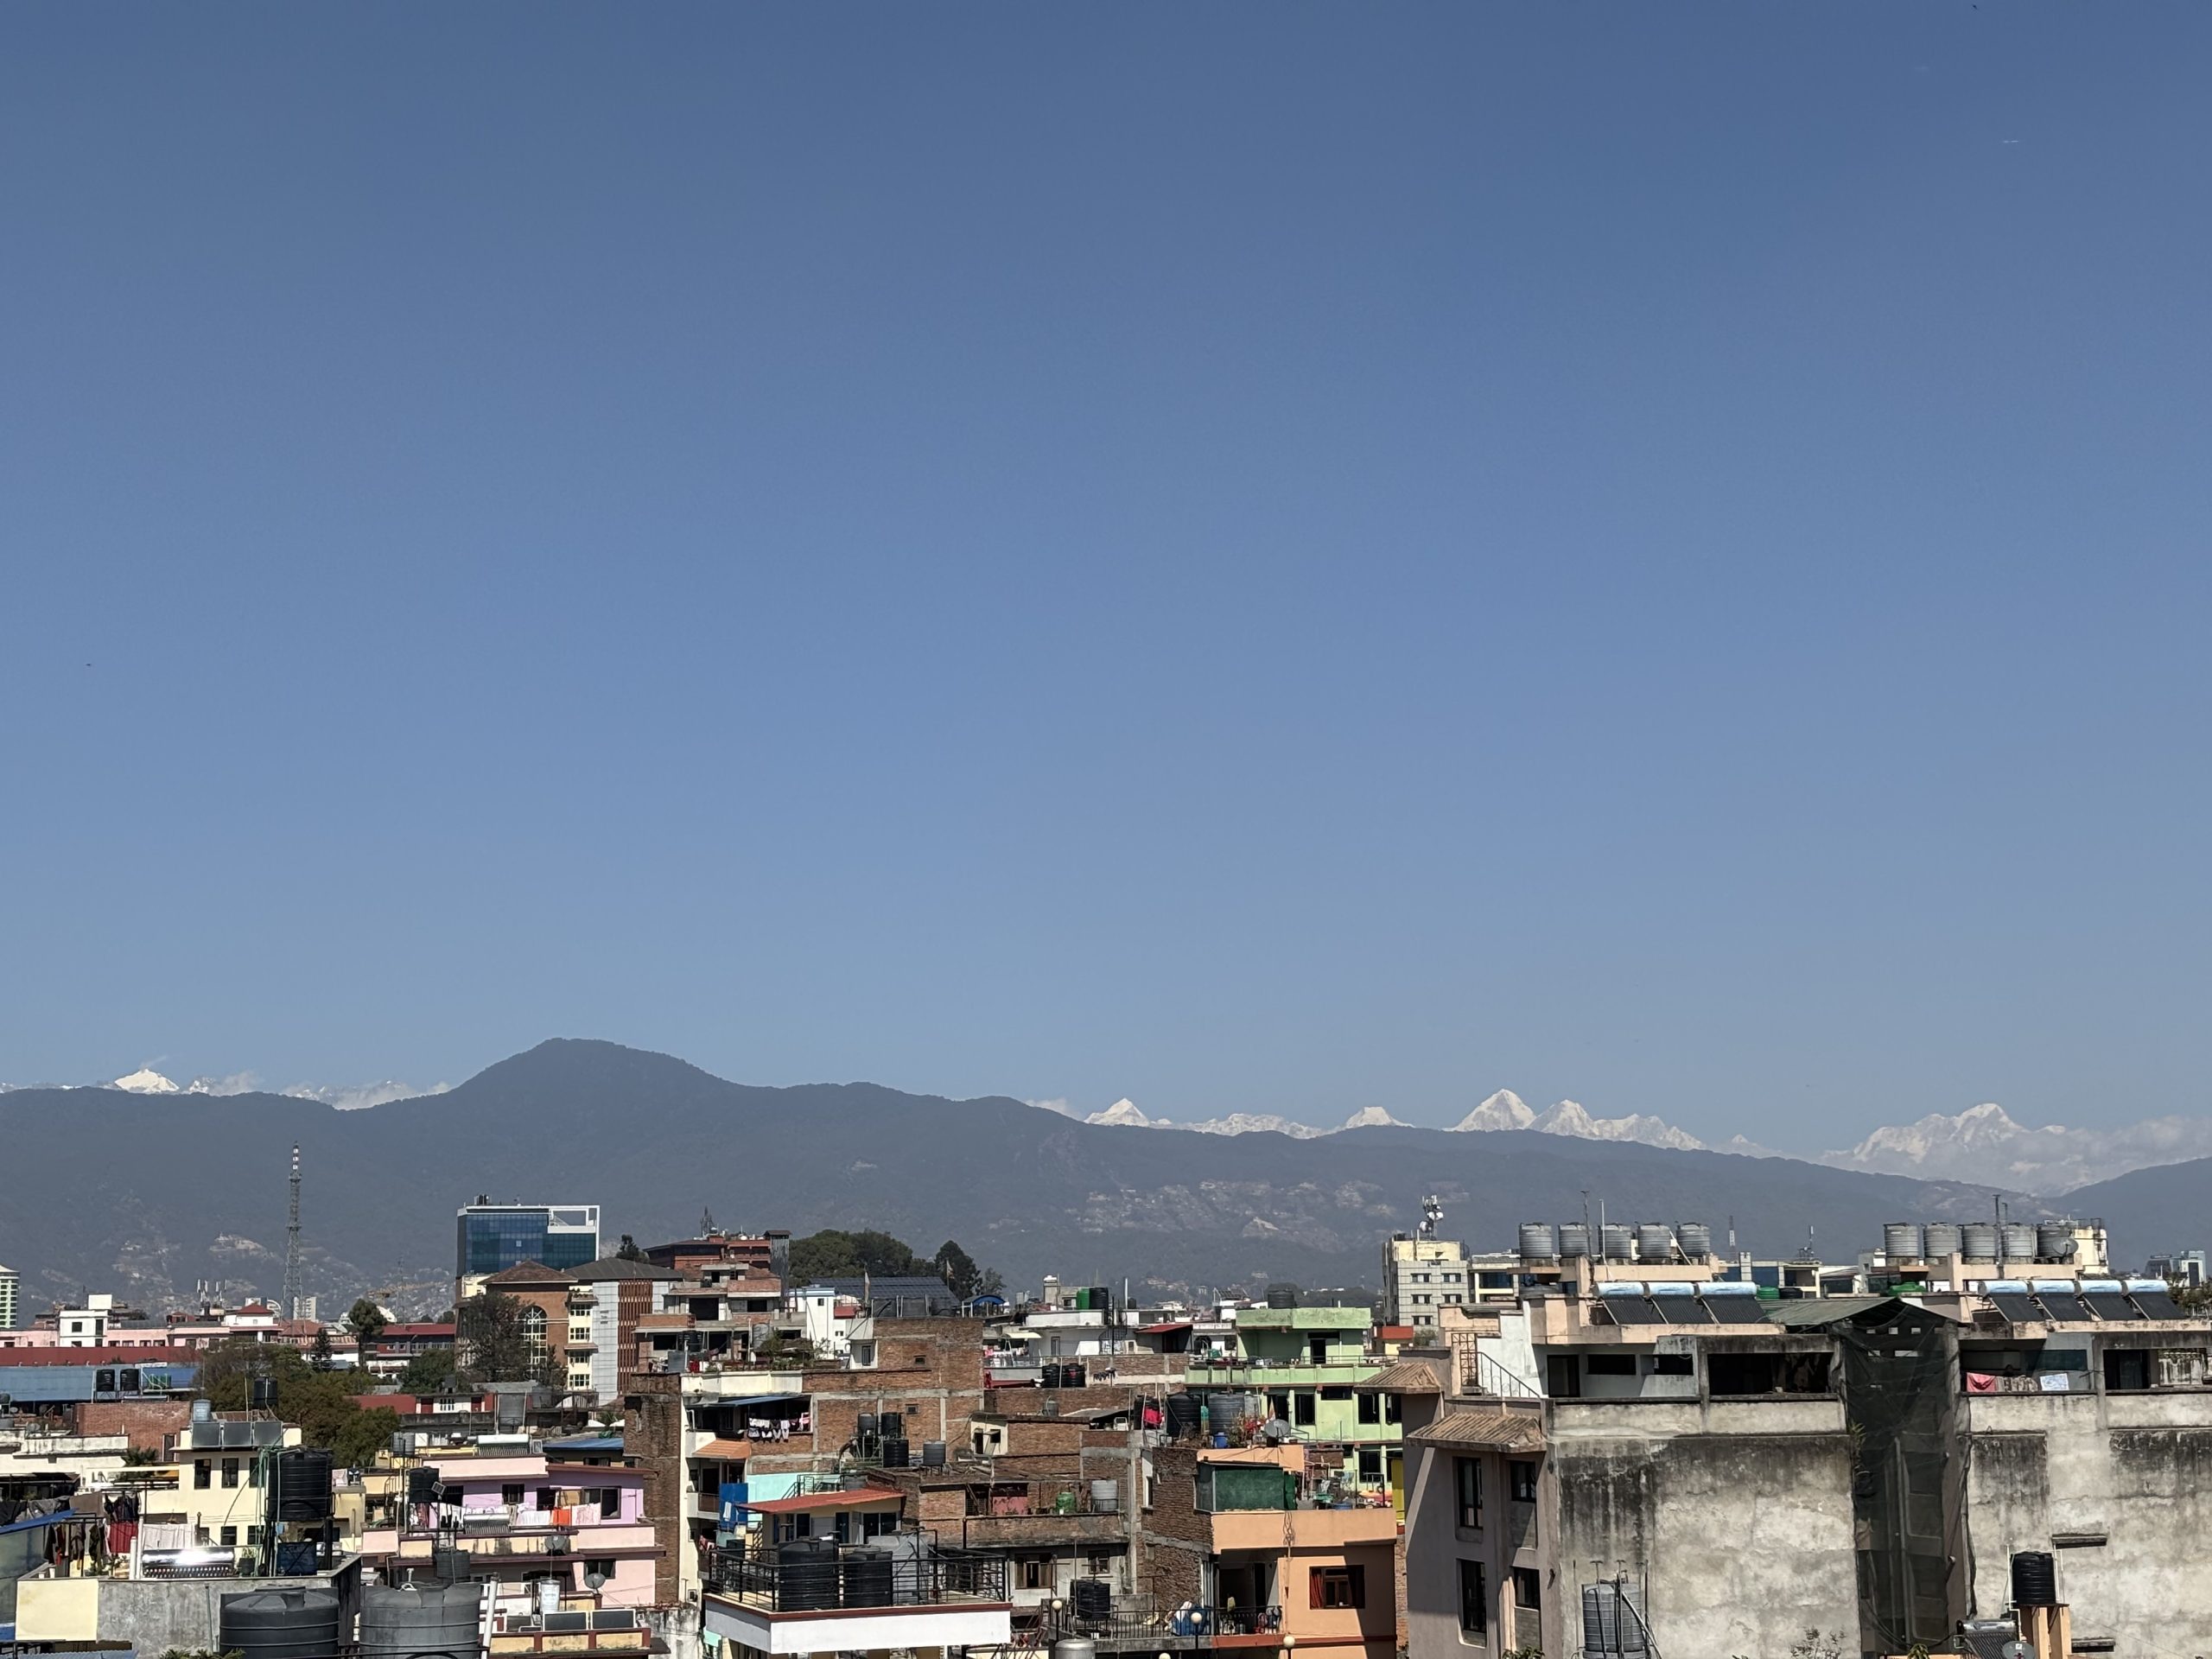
(1256, 558)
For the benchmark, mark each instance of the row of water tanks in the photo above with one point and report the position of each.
(398, 1622)
(1649, 1241)
(1978, 1241)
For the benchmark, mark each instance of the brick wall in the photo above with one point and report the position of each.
(1177, 1538)
(652, 1437)
(148, 1422)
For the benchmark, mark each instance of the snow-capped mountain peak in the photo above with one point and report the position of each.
(1507, 1110)
(1503, 1110)
(1123, 1114)
(1254, 1123)
(146, 1081)
(1372, 1117)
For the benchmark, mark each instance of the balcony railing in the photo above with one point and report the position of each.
(857, 1577)
(1136, 1620)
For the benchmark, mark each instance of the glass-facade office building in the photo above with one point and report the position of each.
(492, 1237)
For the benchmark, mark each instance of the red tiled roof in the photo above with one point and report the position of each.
(171, 1355)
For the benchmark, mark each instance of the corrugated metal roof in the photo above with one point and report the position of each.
(861, 1498)
(1406, 1376)
(1514, 1431)
(615, 1267)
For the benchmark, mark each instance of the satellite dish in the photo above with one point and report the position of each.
(2017, 1649)
(593, 1580)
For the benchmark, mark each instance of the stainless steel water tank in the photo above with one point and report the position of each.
(1978, 1241)
(1696, 1240)
(1573, 1240)
(1902, 1240)
(1940, 1239)
(2054, 1241)
(1539, 1242)
(1617, 1241)
(1106, 1496)
(1655, 1241)
(2019, 1241)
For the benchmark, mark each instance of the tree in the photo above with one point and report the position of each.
(319, 1352)
(366, 1321)
(321, 1403)
(831, 1254)
(629, 1252)
(502, 1339)
(958, 1268)
(434, 1370)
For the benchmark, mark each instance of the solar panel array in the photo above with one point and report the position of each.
(2065, 1301)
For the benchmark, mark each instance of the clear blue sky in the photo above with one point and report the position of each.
(1255, 557)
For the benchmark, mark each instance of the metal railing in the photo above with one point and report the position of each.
(1137, 1621)
(851, 1578)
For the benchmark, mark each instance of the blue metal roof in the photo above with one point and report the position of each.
(587, 1443)
(42, 1520)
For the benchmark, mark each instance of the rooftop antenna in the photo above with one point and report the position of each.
(1432, 1211)
(706, 1222)
(292, 1244)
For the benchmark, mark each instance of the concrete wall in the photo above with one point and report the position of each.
(155, 1615)
(2136, 1468)
(1742, 1544)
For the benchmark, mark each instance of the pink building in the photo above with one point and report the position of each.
(559, 1521)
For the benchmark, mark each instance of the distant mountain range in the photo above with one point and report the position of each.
(1981, 1144)
(345, 1097)
(146, 1194)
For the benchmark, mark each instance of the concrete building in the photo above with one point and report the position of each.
(2184, 1267)
(605, 1302)
(1302, 1366)
(1748, 1475)
(1420, 1276)
(11, 1287)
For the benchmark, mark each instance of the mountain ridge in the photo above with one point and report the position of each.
(188, 1188)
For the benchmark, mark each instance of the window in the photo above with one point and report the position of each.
(2126, 1370)
(1394, 1407)
(1453, 1296)
(1609, 1364)
(203, 1475)
(228, 1537)
(876, 1522)
(253, 1472)
(1474, 1604)
(1036, 1572)
(1369, 1410)
(1336, 1394)
(1422, 1298)
(1521, 1476)
(1451, 1278)
(610, 1502)
(1317, 1349)
(511, 1495)
(230, 1472)
(1467, 1482)
(547, 1497)
(1421, 1278)
(1673, 1365)
(1563, 1378)
(1338, 1587)
(1528, 1589)
(1371, 1463)
(1303, 1408)
(533, 1331)
(601, 1564)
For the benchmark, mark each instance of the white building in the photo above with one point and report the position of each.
(10, 1287)
(1419, 1277)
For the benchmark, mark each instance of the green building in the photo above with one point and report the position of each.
(1306, 1361)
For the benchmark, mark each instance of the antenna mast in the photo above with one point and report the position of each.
(292, 1244)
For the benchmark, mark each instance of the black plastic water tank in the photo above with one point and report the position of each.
(293, 1624)
(303, 1484)
(1092, 1597)
(806, 1573)
(2035, 1579)
(1182, 1415)
(896, 1454)
(421, 1485)
(868, 1576)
